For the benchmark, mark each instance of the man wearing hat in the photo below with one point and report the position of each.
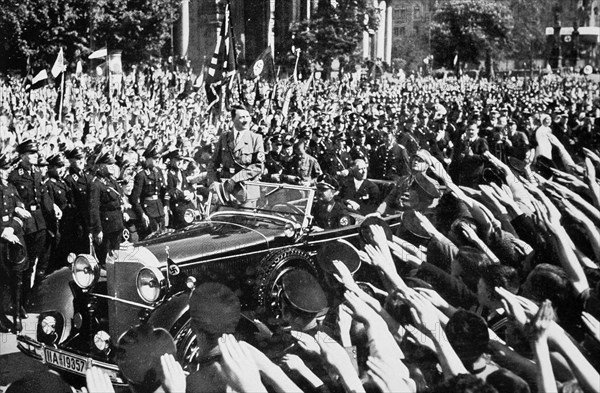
(179, 195)
(390, 160)
(303, 301)
(105, 206)
(28, 181)
(336, 162)
(148, 194)
(327, 211)
(316, 146)
(77, 217)
(11, 235)
(58, 245)
(416, 191)
(239, 153)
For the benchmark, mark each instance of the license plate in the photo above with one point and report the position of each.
(64, 361)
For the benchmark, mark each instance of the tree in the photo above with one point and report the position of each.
(35, 29)
(475, 29)
(335, 31)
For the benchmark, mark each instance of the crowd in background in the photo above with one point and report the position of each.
(490, 285)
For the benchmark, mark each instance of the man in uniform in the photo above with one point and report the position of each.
(303, 168)
(148, 194)
(328, 212)
(337, 161)
(390, 160)
(105, 207)
(76, 218)
(60, 195)
(239, 153)
(316, 146)
(179, 192)
(28, 181)
(11, 235)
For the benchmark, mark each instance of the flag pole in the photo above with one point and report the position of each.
(62, 96)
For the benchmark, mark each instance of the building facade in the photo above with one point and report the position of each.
(260, 23)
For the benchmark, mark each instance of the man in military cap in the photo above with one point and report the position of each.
(416, 191)
(328, 211)
(239, 153)
(389, 160)
(60, 194)
(303, 301)
(105, 206)
(76, 217)
(11, 234)
(316, 146)
(148, 194)
(179, 193)
(336, 162)
(28, 181)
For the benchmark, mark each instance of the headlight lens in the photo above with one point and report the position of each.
(151, 284)
(189, 216)
(85, 270)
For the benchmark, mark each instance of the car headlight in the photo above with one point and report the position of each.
(151, 284)
(85, 270)
(189, 216)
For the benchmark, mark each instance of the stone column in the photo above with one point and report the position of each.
(389, 29)
(185, 28)
(365, 44)
(381, 31)
(271, 27)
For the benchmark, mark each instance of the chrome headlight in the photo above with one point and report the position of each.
(85, 270)
(151, 284)
(189, 216)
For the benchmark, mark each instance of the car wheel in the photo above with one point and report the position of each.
(268, 278)
(185, 342)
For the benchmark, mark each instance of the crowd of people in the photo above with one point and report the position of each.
(491, 283)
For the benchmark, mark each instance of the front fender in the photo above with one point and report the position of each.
(53, 294)
(171, 311)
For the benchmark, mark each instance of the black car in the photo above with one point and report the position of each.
(245, 245)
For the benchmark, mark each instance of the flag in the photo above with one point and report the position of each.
(262, 66)
(222, 64)
(99, 54)
(78, 69)
(59, 64)
(39, 80)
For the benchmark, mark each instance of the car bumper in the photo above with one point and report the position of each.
(60, 359)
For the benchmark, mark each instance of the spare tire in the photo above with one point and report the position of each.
(268, 277)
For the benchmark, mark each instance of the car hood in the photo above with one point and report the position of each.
(209, 239)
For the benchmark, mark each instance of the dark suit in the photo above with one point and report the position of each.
(176, 185)
(147, 198)
(106, 214)
(31, 189)
(367, 195)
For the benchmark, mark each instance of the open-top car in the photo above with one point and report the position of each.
(245, 243)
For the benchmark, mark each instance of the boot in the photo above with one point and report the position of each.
(18, 310)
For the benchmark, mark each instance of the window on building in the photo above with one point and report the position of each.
(396, 14)
(417, 12)
(403, 14)
(396, 31)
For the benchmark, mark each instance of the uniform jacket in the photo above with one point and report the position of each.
(389, 163)
(148, 193)
(31, 189)
(105, 206)
(334, 161)
(9, 197)
(240, 160)
(367, 195)
(302, 169)
(78, 183)
(176, 185)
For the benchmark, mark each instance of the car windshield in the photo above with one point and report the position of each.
(283, 200)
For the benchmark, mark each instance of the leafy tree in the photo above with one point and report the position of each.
(335, 32)
(530, 21)
(35, 29)
(475, 29)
